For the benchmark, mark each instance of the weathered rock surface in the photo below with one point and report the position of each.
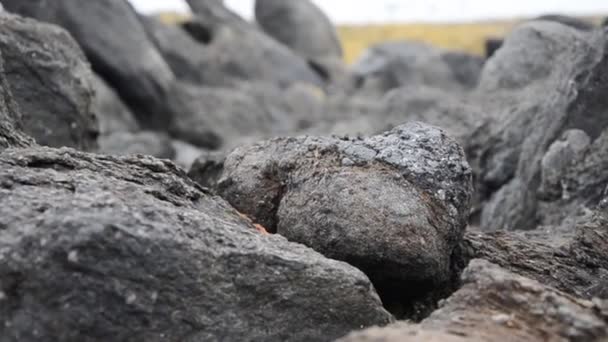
(112, 114)
(300, 25)
(496, 305)
(96, 247)
(150, 143)
(392, 65)
(573, 260)
(11, 134)
(51, 81)
(395, 205)
(568, 67)
(116, 44)
(241, 50)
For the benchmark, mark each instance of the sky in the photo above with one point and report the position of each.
(383, 11)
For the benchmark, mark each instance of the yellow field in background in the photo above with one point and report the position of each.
(468, 37)
(464, 37)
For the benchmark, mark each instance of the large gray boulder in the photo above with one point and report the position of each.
(96, 248)
(396, 64)
(395, 205)
(116, 44)
(496, 305)
(301, 25)
(241, 50)
(546, 79)
(51, 81)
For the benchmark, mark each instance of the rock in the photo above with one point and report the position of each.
(116, 44)
(562, 154)
(577, 23)
(96, 246)
(492, 45)
(573, 260)
(207, 169)
(460, 117)
(191, 61)
(391, 65)
(113, 115)
(241, 50)
(51, 82)
(154, 144)
(394, 205)
(301, 25)
(576, 184)
(496, 305)
(563, 64)
(185, 154)
(213, 117)
(11, 134)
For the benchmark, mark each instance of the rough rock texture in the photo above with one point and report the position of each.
(154, 144)
(392, 65)
(575, 262)
(11, 134)
(96, 248)
(116, 44)
(568, 67)
(112, 114)
(241, 50)
(300, 25)
(496, 305)
(51, 81)
(395, 205)
(580, 185)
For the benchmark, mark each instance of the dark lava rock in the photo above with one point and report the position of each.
(11, 134)
(300, 25)
(241, 50)
(154, 144)
(496, 305)
(113, 115)
(395, 205)
(574, 261)
(547, 79)
(98, 248)
(116, 44)
(392, 65)
(51, 81)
